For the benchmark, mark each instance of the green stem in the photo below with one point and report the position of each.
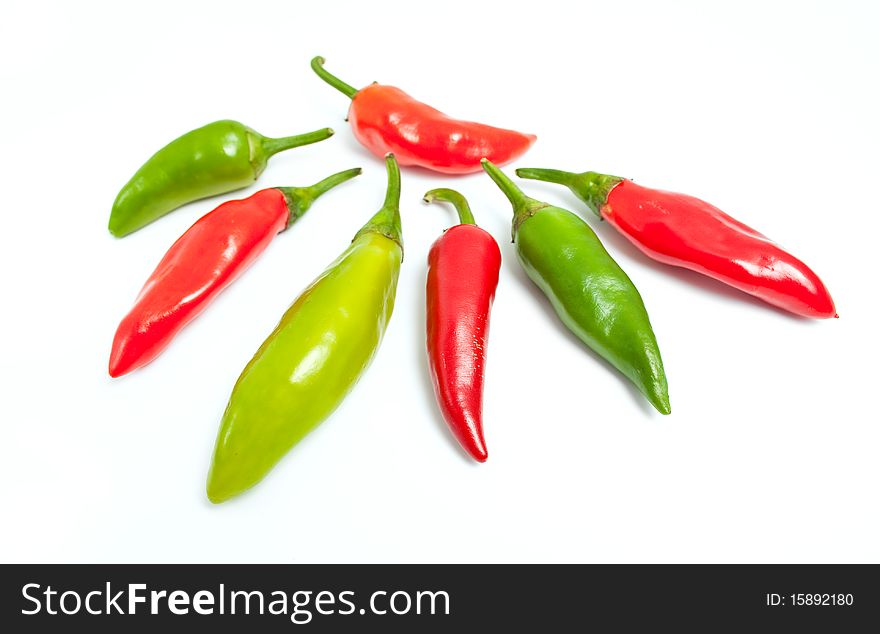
(523, 206)
(591, 187)
(272, 146)
(550, 176)
(460, 203)
(333, 80)
(332, 181)
(386, 221)
(514, 194)
(299, 199)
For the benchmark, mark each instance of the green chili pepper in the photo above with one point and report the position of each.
(323, 344)
(591, 294)
(220, 157)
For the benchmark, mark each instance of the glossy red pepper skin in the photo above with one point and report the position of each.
(463, 266)
(205, 260)
(386, 119)
(688, 232)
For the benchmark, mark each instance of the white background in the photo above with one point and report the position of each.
(768, 110)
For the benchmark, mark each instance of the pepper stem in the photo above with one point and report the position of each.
(591, 187)
(272, 146)
(460, 203)
(386, 221)
(333, 80)
(551, 176)
(523, 206)
(299, 199)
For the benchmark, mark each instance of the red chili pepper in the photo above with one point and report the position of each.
(688, 232)
(207, 258)
(463, 267)
(386, 119)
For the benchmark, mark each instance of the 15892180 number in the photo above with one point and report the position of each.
(821, 599)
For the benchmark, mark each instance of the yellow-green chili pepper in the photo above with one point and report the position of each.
(323, 344)
(217, 158)
(591, 294)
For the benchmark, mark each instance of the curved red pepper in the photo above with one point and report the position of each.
(463, 267)
(386, 119)
(206, 259)
(688, 232)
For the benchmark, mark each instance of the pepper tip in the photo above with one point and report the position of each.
(116, 367)
(213, 499)
(116, 227)
(478, 451)
(215, 493)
